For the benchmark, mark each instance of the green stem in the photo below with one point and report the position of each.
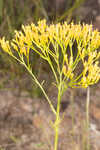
(69, 12)
(36, 81)
(50, 63)
(72, 113)
(57, 118)
(87, 106)
(87, 116)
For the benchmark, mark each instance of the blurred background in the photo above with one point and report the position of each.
(14, 13)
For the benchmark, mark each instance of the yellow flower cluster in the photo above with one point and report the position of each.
(67, 44)
(5, 46)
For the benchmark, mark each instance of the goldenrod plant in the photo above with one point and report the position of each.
(71, 50)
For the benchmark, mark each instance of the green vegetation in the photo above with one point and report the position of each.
(65, 47)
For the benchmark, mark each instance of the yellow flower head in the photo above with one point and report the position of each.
(66, 45)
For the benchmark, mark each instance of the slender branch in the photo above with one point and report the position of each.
(58, 114)
(37, 82)
(87, 105)
(87, 116)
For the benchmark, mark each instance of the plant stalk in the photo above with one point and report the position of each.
(72, 113)
(87, 116)
(57, 118)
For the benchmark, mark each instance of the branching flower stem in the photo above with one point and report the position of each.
(36, 81)
(57, 122)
